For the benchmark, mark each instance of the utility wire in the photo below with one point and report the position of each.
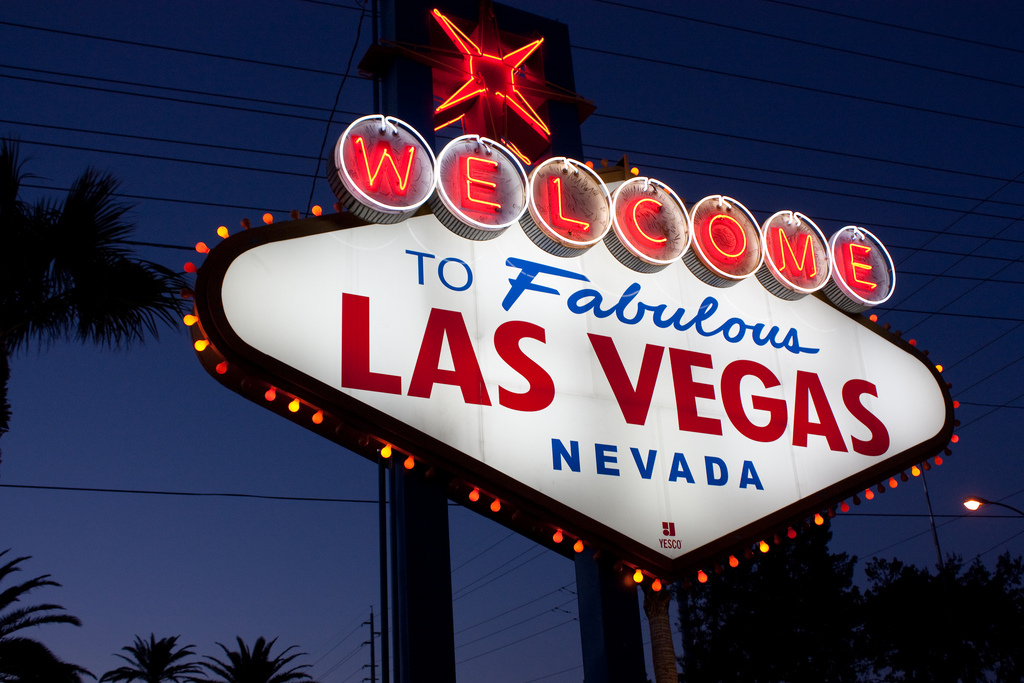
(793, 40)
(910, 29)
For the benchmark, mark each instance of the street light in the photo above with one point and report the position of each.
(974, 502)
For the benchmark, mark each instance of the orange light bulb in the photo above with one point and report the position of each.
(409, 463)
(318, 417)
(202, 248)
(578, 546)
(733, 561)
(557, 537)
(317, 210)
(271, 394)
(268, 218)
(656, 586)
(474, 495)
(893, 483)
(702, 577)
(869, 494)
(495, 505)
(818, 519)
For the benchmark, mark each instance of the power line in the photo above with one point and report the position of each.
(190, 494)
(911, 29)
(170, 48)
(802, 88)
(792, 39)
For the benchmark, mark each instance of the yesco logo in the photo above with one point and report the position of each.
(383, 171)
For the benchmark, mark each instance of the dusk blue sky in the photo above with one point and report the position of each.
(903, 118)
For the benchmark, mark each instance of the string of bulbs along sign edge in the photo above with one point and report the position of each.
(658, 370)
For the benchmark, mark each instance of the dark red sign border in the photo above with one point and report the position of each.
(364, 430)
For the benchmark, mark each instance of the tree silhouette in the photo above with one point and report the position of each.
(68, 272)
(156, 661)
(256, 665)
(791, 614)
(24, 660)
(968, 628)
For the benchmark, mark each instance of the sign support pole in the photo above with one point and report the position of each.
(424, 631)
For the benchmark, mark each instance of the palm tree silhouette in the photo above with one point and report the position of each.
(156, 661)
(256, 666)
(24, 660)
(68, 271)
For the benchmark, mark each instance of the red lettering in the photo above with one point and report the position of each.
(688, 391)
(473, 186)
(542, 389)
(808, 386)
(644, 207)
(806, 265)
(853, 261)
(634, 402)
(879, 441)
(355, 349)
(732, 376)
(557, 217)
(725, 239)
(398, 181)
(466, 374)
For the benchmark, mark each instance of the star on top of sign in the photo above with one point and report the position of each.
(491, 82)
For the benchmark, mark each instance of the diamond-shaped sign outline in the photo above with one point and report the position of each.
(364, 429)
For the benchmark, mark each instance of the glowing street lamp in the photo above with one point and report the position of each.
(974, 502)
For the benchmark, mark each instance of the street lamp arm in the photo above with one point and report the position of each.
(975, 502)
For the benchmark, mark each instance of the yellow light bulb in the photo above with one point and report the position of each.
(638, 576)
(190, 320)
(763, 546)
(201, 344)
(294, 405)
(386, 451)
(222, 232)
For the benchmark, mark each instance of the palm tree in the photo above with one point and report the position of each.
(68, 270)
(23, 660)
(256, 666)
(154, 662)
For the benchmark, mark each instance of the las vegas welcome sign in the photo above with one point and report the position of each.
(591, 364)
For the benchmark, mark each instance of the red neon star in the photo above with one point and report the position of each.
(486, 80)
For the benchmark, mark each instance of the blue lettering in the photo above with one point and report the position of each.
(601, 451)
(680, 469)
(584, 301)
(440, 274)
(645, 470)
(421, 255)
(719, 477)
(749, 476)
(523, 282)
(558, 454)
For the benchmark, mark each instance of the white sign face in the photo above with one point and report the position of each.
(642, 402)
